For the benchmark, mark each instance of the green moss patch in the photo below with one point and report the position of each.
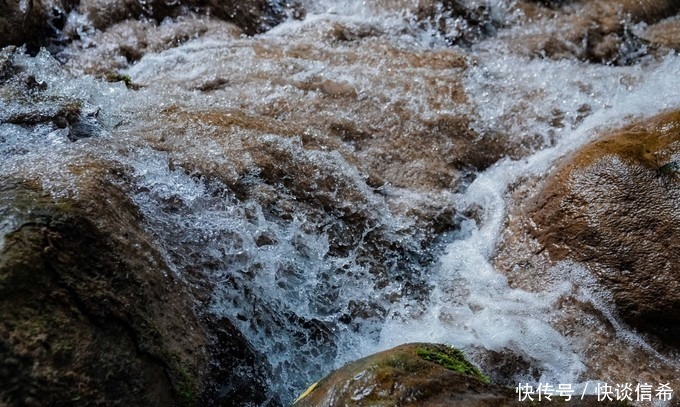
(116, 77)
(452, 359)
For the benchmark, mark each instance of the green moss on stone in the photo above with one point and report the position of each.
(186, 385)
(117, 77)
(452, 359)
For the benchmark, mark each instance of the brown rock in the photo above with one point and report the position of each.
(418, 374)
(37, 22)
(664, 36)
(613, 205)
(594, 31)
(106, 52)
(647, 10)
(344, 155)
(408, 375)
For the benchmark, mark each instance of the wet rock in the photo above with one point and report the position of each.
(418, 374)
(38, 105)
(370, 139)
(32, 22)
(252, 17)
(39, 23)
(613, 205)
(105, 53)
(264, 161)
(360, 165)
(647, 10)
(91, 315)
(664, 36)
(460, 22)
(414, 374)
(601, 32)
(506, 367)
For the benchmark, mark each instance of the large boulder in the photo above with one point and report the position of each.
(91, 315)
(418, 374)
(614, 205)
(92, 312)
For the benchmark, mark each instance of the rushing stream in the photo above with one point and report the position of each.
(324, 246)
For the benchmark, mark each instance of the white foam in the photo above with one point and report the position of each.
(473, 304)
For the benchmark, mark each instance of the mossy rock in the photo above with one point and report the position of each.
(418, 374)
(452, 359)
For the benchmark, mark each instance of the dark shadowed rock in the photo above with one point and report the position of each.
(91, 315)
(32, 22)
(614, 205)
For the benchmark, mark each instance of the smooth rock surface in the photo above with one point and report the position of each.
(614, 206)
(417, 374)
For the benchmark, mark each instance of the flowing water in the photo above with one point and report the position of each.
(229, 158)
